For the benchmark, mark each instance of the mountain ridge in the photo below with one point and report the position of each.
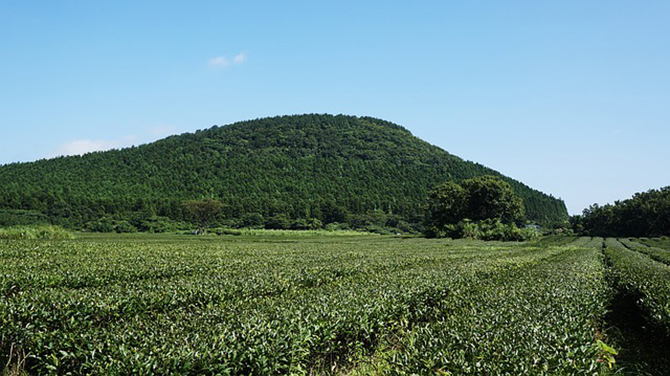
(327, 167)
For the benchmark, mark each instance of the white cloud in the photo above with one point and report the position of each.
(240, 58)
(219, 61)
(223, 61)
(82, 146)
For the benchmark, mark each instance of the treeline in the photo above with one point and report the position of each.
(646, 214)
(289, 169)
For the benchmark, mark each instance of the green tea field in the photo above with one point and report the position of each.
(336, 305)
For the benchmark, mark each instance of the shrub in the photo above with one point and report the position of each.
(158, 225)
(104, 224)
(124, 227)
(35, 232)
(278, 222)
(9, 217)
(336, 226)
(489, 229)
(226, 231)
(307, 224)
(253, 220)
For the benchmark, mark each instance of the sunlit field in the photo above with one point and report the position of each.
(288, 304)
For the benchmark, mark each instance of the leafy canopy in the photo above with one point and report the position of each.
(202, 212)
(486, 199)
(646, 214)
(489, 197)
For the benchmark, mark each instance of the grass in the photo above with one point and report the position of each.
(291, 233)
(35, 232)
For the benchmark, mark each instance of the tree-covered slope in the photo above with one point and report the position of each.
(646, 214)
(333, 168)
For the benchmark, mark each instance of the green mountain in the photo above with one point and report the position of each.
(330, 168)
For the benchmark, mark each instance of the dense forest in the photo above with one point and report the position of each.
(646, 214)
(303, 170)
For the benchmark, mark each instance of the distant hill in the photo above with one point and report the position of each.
(330, 168)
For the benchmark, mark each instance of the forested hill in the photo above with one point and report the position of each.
(330, 168)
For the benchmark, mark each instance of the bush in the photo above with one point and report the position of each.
(104, 224)
(253, 220)
(336, 226)
(278, 222)
(406, 227)
(9, 217)
(158, 225)
(124, 227)
(307, 224)
(489, 229)
(35, 232)
(226, 231)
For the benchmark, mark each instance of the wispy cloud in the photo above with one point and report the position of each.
(240, 58)
(82, 146)
(224, 61)
(219, 62)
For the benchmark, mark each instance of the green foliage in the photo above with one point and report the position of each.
(203, 212)
(330, 168)
(288, 233)
(607, 353)
(307, 224)
(448, 204)
(124, 227)
(644, 215)
(490, 197)
(658, 254)
(107, 224)
(103, 224)
(278, 222)
(12, 217)
(479, 208)
(252, 220)
(656, 244)
(490, 229)
(155, 224)
(35, 232)
(141, 304)
(642, 278)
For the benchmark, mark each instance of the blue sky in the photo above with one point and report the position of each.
(570, 97)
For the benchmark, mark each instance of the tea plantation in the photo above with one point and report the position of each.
(357, 305)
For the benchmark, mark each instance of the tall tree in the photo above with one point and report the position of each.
(203, 212)
(448, 204)
(485, 198)
(490, 197)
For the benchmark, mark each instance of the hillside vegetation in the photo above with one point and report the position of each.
(35, 232)
(644, 214)
(323, 168)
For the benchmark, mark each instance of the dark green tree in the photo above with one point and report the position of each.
(490, 197)
(278, 222)
(448, 204)
(202, 212)
(453, 208)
